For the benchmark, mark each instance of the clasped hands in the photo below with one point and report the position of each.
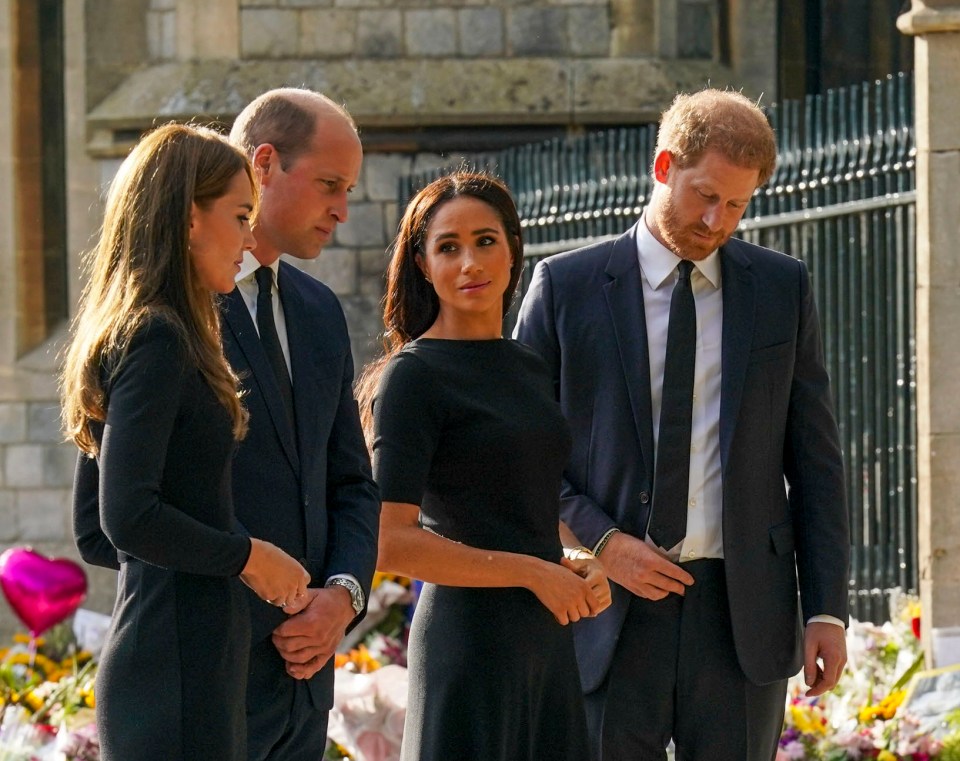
(571, 596)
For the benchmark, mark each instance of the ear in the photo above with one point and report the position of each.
(422, 266)
(265, 161)
(661, 166)
(194, 222)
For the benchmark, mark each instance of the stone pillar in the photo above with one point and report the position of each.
(936, 24)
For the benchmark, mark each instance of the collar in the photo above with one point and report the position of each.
(250, 264)
(658, 263)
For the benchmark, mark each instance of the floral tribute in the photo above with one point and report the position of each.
(370, 692)
(46, 699)
(864, 717)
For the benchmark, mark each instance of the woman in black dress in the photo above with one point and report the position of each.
(151, 402)
(468, 450)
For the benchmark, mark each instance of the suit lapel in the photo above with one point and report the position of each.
(238, 321)
(301, 357)
(738, 318)
(624, 295)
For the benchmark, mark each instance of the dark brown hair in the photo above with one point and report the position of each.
(410, 305)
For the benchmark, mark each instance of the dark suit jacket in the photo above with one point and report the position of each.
(584, 313)
(314, 497)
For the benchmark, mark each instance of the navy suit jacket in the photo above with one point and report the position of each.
(584, 313)
(313, 495)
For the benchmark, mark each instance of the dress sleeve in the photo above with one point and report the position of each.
(144, 402)
(92, 543)
(407, 420)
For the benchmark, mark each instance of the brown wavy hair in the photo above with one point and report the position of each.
(140, 269)
(410, 305)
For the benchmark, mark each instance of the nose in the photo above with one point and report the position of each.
(713, 217)
(470, 261)
(249, 242)
(338, 207)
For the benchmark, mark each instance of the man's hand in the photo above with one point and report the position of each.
(641, 569)
(308, 639)
(828, 643)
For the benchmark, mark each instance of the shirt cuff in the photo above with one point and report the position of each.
(350, 577)
(827, 620)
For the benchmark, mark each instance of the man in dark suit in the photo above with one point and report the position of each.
(706, 471)
(302, 475)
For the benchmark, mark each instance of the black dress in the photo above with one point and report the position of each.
(469, 430)
(172, 676)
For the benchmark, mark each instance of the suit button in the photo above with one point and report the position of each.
(644, 497)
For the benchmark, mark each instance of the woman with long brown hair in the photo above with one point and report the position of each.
(151, 402)
(468, 450)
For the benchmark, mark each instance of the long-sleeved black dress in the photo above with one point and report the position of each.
(470, 431)
(156, 503)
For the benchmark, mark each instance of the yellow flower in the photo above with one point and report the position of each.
(885, 709)
(379, 577)
(886, 755)
(807, 719)
(359, 660)
(33, 701)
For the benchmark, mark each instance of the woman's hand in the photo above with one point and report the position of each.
(275, 577)
(564, 593)
(587, 567)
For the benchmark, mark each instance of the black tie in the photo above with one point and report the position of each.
(671, 481)
(270, 339)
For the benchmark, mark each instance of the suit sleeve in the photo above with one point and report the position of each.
(813, 465)
(92, 543)
(353, 500)
(144, 402)
(537, 328)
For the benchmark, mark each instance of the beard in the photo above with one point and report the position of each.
(695, 241)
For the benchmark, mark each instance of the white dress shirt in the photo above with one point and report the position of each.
(658, 266)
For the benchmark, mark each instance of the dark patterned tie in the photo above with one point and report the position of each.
(271, 340)
(671, 481)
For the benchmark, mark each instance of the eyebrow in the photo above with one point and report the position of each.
(247, 206)
(481, 231)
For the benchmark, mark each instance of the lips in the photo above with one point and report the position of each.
(474, 287)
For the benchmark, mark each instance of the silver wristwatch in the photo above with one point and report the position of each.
(356, 594)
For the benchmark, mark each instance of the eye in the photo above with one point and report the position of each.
(243, 218)
(487, 240)
(446, 248)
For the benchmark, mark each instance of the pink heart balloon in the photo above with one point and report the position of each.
(42, 591)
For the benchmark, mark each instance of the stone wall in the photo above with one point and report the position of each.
(391, 29)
